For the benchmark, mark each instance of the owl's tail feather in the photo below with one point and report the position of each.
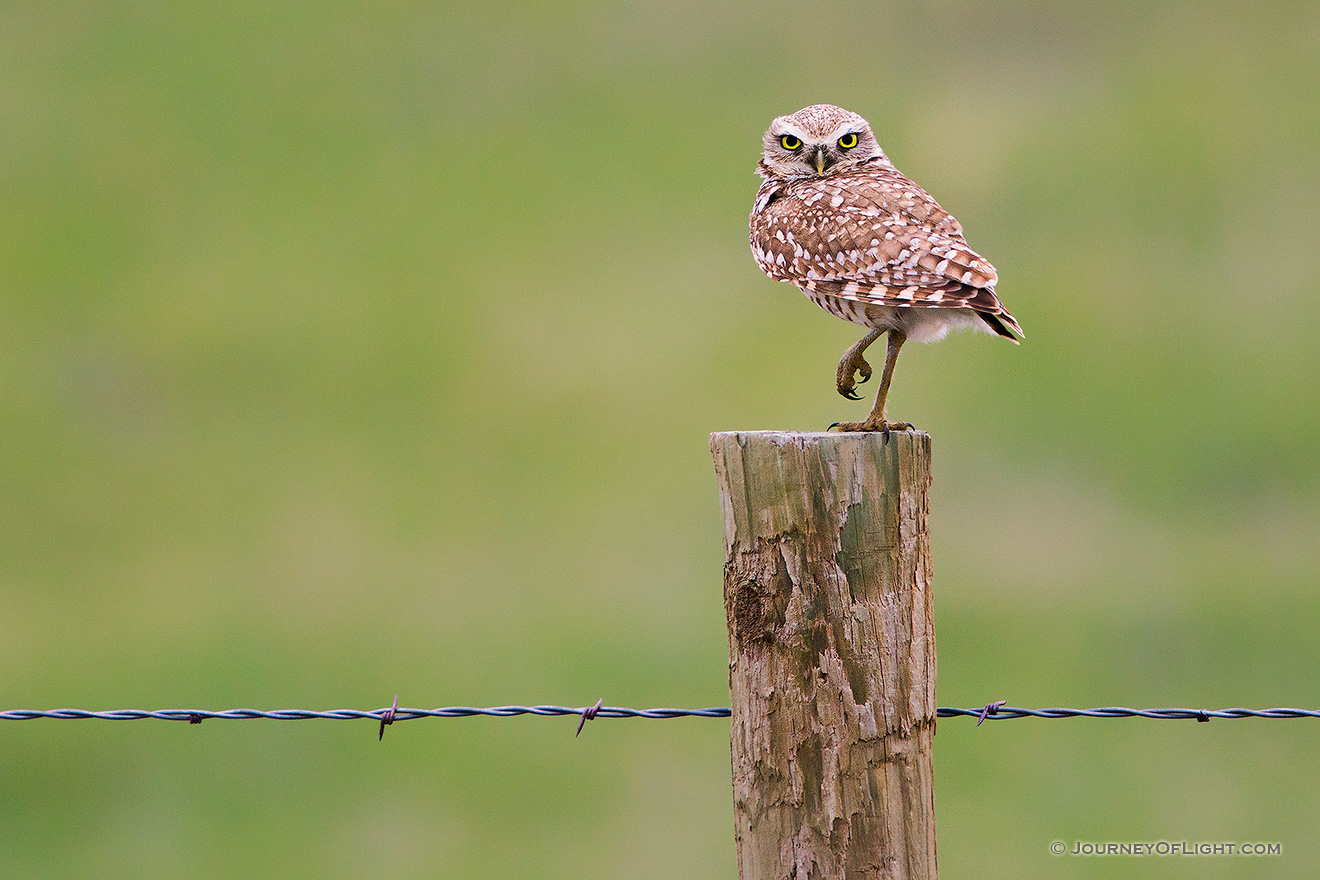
(997, 324)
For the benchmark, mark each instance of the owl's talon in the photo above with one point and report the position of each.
(853, 370)
(877, 426)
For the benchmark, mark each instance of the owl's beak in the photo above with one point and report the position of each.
(820, 160)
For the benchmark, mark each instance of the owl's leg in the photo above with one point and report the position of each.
(876, 420)
(854, 363)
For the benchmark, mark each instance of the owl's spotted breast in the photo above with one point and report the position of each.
(869, 228)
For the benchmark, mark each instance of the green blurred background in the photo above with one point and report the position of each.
(351, 350)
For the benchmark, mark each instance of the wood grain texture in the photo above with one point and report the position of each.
(828, 593)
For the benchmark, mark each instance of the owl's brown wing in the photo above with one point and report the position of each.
(871, 235)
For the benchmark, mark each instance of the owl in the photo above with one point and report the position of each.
(837, 219)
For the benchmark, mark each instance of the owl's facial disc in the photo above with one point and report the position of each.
(817, 140)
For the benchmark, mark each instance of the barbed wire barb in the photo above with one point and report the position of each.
(588, 714)
(387, 717)
(990, 709)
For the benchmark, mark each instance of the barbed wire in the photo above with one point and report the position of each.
(400, 714)
(1000, 712)
(996, 711)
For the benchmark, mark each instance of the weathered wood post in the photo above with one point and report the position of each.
(827, 588)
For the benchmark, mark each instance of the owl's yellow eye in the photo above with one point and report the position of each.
(788, 142)
(849, 140)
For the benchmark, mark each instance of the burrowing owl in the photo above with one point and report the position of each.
(837, 219)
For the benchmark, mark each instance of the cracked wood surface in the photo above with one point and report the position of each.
(828, 593)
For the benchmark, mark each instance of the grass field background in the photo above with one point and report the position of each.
(349, 350)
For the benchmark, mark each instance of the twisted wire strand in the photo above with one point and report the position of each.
(399, 714)
(997, 713)
(1006, 713)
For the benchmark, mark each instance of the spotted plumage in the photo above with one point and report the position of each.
(836, 219)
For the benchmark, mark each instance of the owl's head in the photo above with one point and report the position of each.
(816, 140)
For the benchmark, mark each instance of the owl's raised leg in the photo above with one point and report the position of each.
(854, 363)
(876, 420)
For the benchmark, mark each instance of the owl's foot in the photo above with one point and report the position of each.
(852, 363)
(870, 425)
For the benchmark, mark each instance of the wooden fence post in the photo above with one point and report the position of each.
(827, 588)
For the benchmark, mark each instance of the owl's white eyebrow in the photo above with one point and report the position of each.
(789, 128)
